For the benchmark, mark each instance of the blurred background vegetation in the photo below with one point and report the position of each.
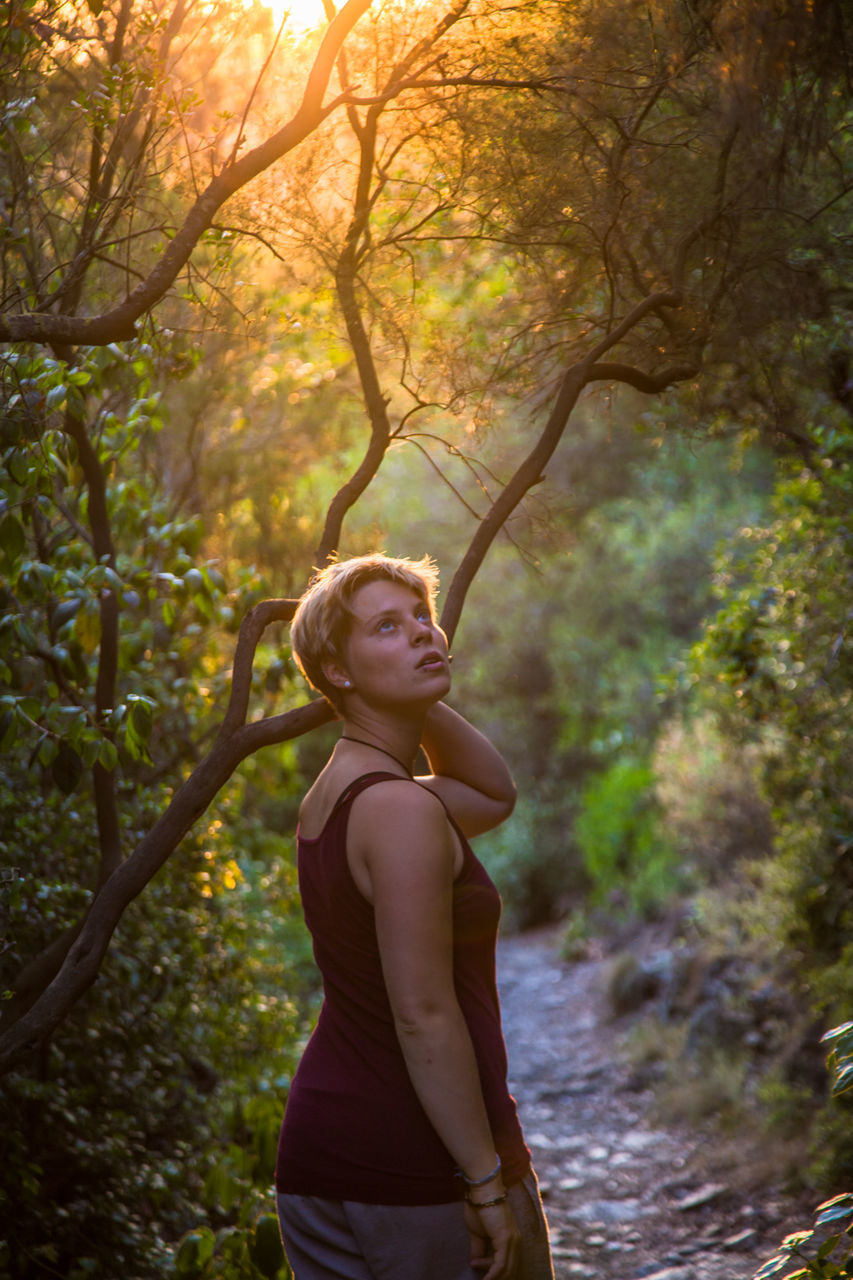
(659, 640)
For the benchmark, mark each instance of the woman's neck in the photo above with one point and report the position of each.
(399, 740)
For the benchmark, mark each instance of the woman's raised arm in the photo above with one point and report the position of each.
(468, 772)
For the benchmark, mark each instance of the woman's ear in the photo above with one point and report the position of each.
(336, 675)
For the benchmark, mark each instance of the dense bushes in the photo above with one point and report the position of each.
(573, 682)
(627, 855)
(749, 791)
(114, 668)
(125, 1136)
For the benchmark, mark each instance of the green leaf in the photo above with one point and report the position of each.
(8, 729)
(194, 1251)
(797, 1239)
(107, 755)
(773, 1267)
(215, 579)
(67, 769)
(64, 612)
(835, 1209)
(207, 1244)
(141, 719)
(827, 1247)
(55, 397)
(87, 629)
(838, 1033)
(13, 539)
(265, 1249)
(18, 465)
(117, 715)
(843, 1079)
(193, 581)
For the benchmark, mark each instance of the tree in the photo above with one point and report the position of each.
(637, 253)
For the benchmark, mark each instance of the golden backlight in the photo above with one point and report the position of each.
(300, 15)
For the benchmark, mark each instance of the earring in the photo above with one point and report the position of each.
(450, 657)
(347, 684)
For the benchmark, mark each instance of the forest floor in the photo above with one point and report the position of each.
(626, 1195)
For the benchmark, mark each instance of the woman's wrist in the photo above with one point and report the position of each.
(499, 1197)
(486, 1191)
(481, 1181)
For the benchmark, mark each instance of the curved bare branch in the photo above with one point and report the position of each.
(649, 383)
(531, 469)
(527, 474)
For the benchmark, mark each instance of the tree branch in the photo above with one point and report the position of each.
(234, 742)
(649, 383)
(527, 474)
(119, 324)
(530, 472)
(103, 781)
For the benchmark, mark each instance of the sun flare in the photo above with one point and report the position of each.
(297, 15)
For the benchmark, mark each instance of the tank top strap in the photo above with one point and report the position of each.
(365, 780)
(359, 784)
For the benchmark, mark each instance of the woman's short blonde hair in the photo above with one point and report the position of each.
(323, 617)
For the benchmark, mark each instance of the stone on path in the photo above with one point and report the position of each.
(673, 1273)
(710, 1191)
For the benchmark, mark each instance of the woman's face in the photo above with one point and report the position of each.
(394, 654)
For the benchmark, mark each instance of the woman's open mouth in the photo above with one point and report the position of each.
(432, 661)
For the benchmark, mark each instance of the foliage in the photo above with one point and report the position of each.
(625, 852)
(840, 1060)
(582, 666)
(833, 1251)
(530, 859)
(775, 665)
(196, 1007)
(55, 582)
(833, 1254)
(768, 688)
(204, 1001)
(710, 802)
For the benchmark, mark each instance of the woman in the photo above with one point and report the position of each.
(401, 1156)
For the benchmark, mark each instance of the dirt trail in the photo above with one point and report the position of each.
(625, 1198)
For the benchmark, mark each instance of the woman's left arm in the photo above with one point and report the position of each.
(468, 773)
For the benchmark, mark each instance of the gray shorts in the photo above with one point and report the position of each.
(348, 1240)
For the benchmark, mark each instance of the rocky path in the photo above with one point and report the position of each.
(625, 1198)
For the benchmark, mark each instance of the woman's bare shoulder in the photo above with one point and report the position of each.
(380, 801)
(395, 812)
(399, 795)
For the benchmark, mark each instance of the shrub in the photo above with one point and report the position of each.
(709, 797)
(624, 849)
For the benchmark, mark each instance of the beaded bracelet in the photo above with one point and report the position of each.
(486, 1204)
(479, 1182)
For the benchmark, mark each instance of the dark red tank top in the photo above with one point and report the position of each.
(353, 1127)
